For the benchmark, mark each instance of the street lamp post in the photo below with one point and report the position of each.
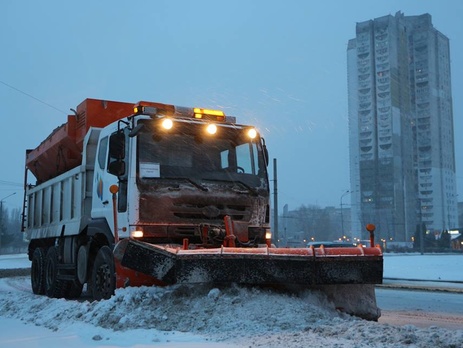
(1, 216)
(342, 217)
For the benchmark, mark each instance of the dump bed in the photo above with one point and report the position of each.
(62, 149)
(63, 204)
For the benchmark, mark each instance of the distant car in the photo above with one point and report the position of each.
(332, 244)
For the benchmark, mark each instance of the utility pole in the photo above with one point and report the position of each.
(342, 217)
(421, 230)
(275, 202)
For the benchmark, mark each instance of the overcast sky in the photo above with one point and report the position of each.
(280, 65)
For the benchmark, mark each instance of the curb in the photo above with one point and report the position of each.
(426, 280)
(15, 272)
(418, 287)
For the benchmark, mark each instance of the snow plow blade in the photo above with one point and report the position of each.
(257, 266)
(345, 275)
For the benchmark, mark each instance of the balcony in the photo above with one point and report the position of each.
(385, 146)
(366, 148)
(364, 77)
(364, 105)
(363, 55)
(365, 142)
(385, 139)
(383, 80)
(384, 132)
(381, 36)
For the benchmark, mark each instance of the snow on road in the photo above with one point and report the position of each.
(199, 316)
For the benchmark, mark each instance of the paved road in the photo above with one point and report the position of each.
(421, 308)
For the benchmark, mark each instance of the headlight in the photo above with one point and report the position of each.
(167, 123)
(136, 234)
(211, 128)
(252, 133)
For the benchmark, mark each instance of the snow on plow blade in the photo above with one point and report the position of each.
(257, 266)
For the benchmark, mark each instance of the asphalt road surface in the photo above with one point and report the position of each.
(421, 308)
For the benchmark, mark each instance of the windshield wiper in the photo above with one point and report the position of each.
(252, 190)
(249, 188)
(191, 181)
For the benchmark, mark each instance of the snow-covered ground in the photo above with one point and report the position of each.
(187, 316)
(427, 267)
(14, 261)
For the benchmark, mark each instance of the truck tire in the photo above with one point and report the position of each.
(103, 280)
(54, 287)
(38, 271)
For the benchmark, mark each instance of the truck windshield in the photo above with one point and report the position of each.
(186, 153)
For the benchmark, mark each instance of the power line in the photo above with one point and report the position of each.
(10, 183)
(31, 96)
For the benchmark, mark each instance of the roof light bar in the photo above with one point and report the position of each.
(209, 114)
(159, 110)
(145, 110)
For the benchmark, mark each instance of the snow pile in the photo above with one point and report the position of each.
(242, 317)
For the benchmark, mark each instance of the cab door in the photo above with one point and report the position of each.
(111, 169)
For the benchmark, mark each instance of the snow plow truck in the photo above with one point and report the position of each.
(138, 194)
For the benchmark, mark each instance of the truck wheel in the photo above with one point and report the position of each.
(53, 286)
(103, 281)
(38, 271)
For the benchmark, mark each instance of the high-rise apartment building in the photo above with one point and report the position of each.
(402, 161)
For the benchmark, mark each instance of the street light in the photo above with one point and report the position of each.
(1, 216)
(342, 217)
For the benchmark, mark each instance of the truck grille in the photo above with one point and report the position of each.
(211, 212)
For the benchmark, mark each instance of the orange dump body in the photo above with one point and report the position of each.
(62, 149)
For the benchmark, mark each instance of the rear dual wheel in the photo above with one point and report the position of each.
(54, 287)
(38, 271)
(44, 275)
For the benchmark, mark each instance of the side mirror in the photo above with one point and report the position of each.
(117, 145)
(117, 168)
(116, 164)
